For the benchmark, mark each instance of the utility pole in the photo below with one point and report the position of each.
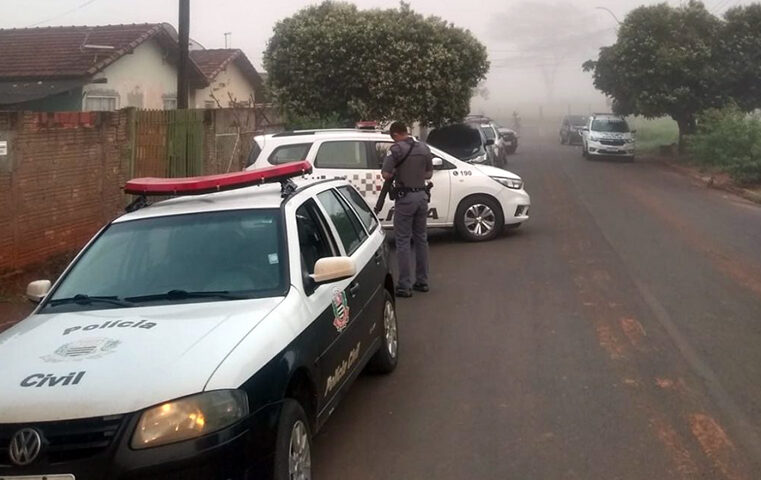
(228, 39)
(182, 66)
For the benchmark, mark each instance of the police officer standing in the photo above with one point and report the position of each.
(409, 163)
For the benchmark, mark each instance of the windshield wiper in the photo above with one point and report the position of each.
(183, 295)
(82, 299)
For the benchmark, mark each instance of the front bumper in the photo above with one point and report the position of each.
(515, 205)
(241, 452)
(600, 149)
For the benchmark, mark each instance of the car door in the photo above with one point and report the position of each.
(372, 290)
(349, 159)
(438, 208)
(350, 305)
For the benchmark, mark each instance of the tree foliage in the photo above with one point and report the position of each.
(739, 53)
(729, 139)
(334, 60)
(663, 63)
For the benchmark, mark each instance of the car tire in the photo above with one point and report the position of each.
(479, 218)
(385, 359)
(293, 444)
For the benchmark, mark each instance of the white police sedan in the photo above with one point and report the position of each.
(203, 337)
(476, 200)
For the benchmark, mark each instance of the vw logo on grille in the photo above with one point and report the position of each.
(25, 446)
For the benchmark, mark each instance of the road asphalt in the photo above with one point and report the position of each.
(616, 335)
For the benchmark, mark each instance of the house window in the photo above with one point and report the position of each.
(170, 103)
(101, 103)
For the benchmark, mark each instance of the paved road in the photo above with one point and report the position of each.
(615, 336)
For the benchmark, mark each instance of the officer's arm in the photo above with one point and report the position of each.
(428, 165)
(387, 170)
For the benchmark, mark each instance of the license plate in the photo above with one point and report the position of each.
(41, 477)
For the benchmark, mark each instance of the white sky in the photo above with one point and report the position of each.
(568, 31)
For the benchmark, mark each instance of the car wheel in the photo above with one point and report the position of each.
(293, 448)
(479, 218)
(387, 356)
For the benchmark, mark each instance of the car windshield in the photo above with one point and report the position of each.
(195, 257)
(610, 125)
(577, 120)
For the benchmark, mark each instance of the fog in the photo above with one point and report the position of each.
(535, 47)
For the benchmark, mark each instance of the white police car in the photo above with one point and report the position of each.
(477, 200)
(202, 337)
(607, 135)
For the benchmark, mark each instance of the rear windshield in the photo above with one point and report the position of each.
(614, 125)
(256, 149)
(460, 141)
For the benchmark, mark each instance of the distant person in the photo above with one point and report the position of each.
(516, 122)
(409, 163)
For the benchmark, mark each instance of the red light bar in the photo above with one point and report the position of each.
(216, 183)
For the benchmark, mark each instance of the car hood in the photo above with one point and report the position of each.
(97, 363)
(613, 135)
(496, 172)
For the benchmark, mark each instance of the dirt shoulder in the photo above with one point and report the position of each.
(710, 178)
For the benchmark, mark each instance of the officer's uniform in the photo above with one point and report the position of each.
(411, 209)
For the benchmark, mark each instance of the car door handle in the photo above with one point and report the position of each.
(353, 289)
(378, 257)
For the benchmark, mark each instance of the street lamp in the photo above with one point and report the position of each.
(611, 14)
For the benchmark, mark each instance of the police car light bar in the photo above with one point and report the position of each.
(216, 183)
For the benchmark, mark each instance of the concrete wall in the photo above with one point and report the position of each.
(142, 79)
(229, 82)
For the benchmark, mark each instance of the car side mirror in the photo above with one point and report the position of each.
(437, 162)
(333, 269)
(489, 143)
(36, 291)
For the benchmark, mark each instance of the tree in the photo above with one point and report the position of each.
(663, 63)
(333, 60)
(739, 53)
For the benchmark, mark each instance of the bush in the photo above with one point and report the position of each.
(729, 139)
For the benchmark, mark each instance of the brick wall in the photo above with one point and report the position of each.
(63, 182)
(62, 177)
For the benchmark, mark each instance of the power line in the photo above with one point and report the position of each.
(81, 6)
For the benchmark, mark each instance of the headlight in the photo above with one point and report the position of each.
(594, 138)
(189, 418)
(509, 182)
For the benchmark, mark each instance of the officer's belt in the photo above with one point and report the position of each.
(410, 189)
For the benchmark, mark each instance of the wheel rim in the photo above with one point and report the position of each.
(299, 457)
(389, 326)
(480, 220)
